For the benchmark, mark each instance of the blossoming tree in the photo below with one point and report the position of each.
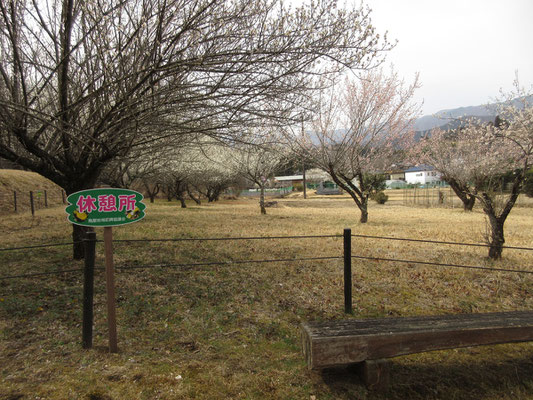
(359, 129)
(475, 157)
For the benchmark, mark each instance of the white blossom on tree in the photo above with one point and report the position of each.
(475, 158)
(212, 172)
(316, 175)
(258, 161)
(359, 129)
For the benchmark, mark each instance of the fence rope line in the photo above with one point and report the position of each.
(442, 265)
(271, 237)
(227, 238)
(439, 242)
(227, 263)
(173, 240)
(42, 274)
(37, 246)
(237, 262)
(207, 263)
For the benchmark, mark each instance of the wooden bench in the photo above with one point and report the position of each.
(371, 341)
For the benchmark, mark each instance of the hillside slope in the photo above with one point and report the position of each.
(22, 182)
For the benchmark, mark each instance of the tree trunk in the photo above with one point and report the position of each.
(262, 201)
(152, 192)
(209, 195)
(468, 199)
(496, 237)
(356, 194)
(168, 192)
(78, 234)
(364, 211)
(469, 204)
(496, 221)
(78, 231)
(213, 194)
(180, 195)
(193, 197)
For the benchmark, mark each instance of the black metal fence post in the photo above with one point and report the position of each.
(32, 205)
(348, 271)
(15, 199)
(89, 243)
(46, 199)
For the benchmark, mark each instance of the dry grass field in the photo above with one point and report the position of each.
(232, 331)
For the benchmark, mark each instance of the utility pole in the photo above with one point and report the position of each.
(303, 164)
(305, 182)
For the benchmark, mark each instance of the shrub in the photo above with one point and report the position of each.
(379, 197)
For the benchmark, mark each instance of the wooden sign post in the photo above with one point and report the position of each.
(106, 208)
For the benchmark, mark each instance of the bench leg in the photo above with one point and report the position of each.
(376, 374)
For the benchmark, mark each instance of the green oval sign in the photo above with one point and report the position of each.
(105, 207)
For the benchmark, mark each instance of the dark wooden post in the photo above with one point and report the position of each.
(15, 199)
(110, 288)
(89, 243)
(32, 205)
(46, 199)
(348, 271)
(63, 196)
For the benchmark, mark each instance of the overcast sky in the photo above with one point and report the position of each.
(464, 50)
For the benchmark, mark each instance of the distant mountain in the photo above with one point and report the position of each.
(444, 117)
(448, 119)
(454, 124)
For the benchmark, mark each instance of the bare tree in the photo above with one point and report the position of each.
(119, 173)
(175, 182)
(258, 162)
(198, 166)
(211, 182)
(359, 130)
(203, 168)
(82, 83)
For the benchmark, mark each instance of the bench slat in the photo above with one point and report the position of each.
(345, 342)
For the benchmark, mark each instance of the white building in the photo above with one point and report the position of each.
(423, 174)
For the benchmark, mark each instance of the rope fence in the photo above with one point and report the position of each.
(229, 238)
(39, 246)
(442, 264)
(240, 262)
(33, 275)
(347, 256)
(233, 262)
(440, 242)
(270, 238)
